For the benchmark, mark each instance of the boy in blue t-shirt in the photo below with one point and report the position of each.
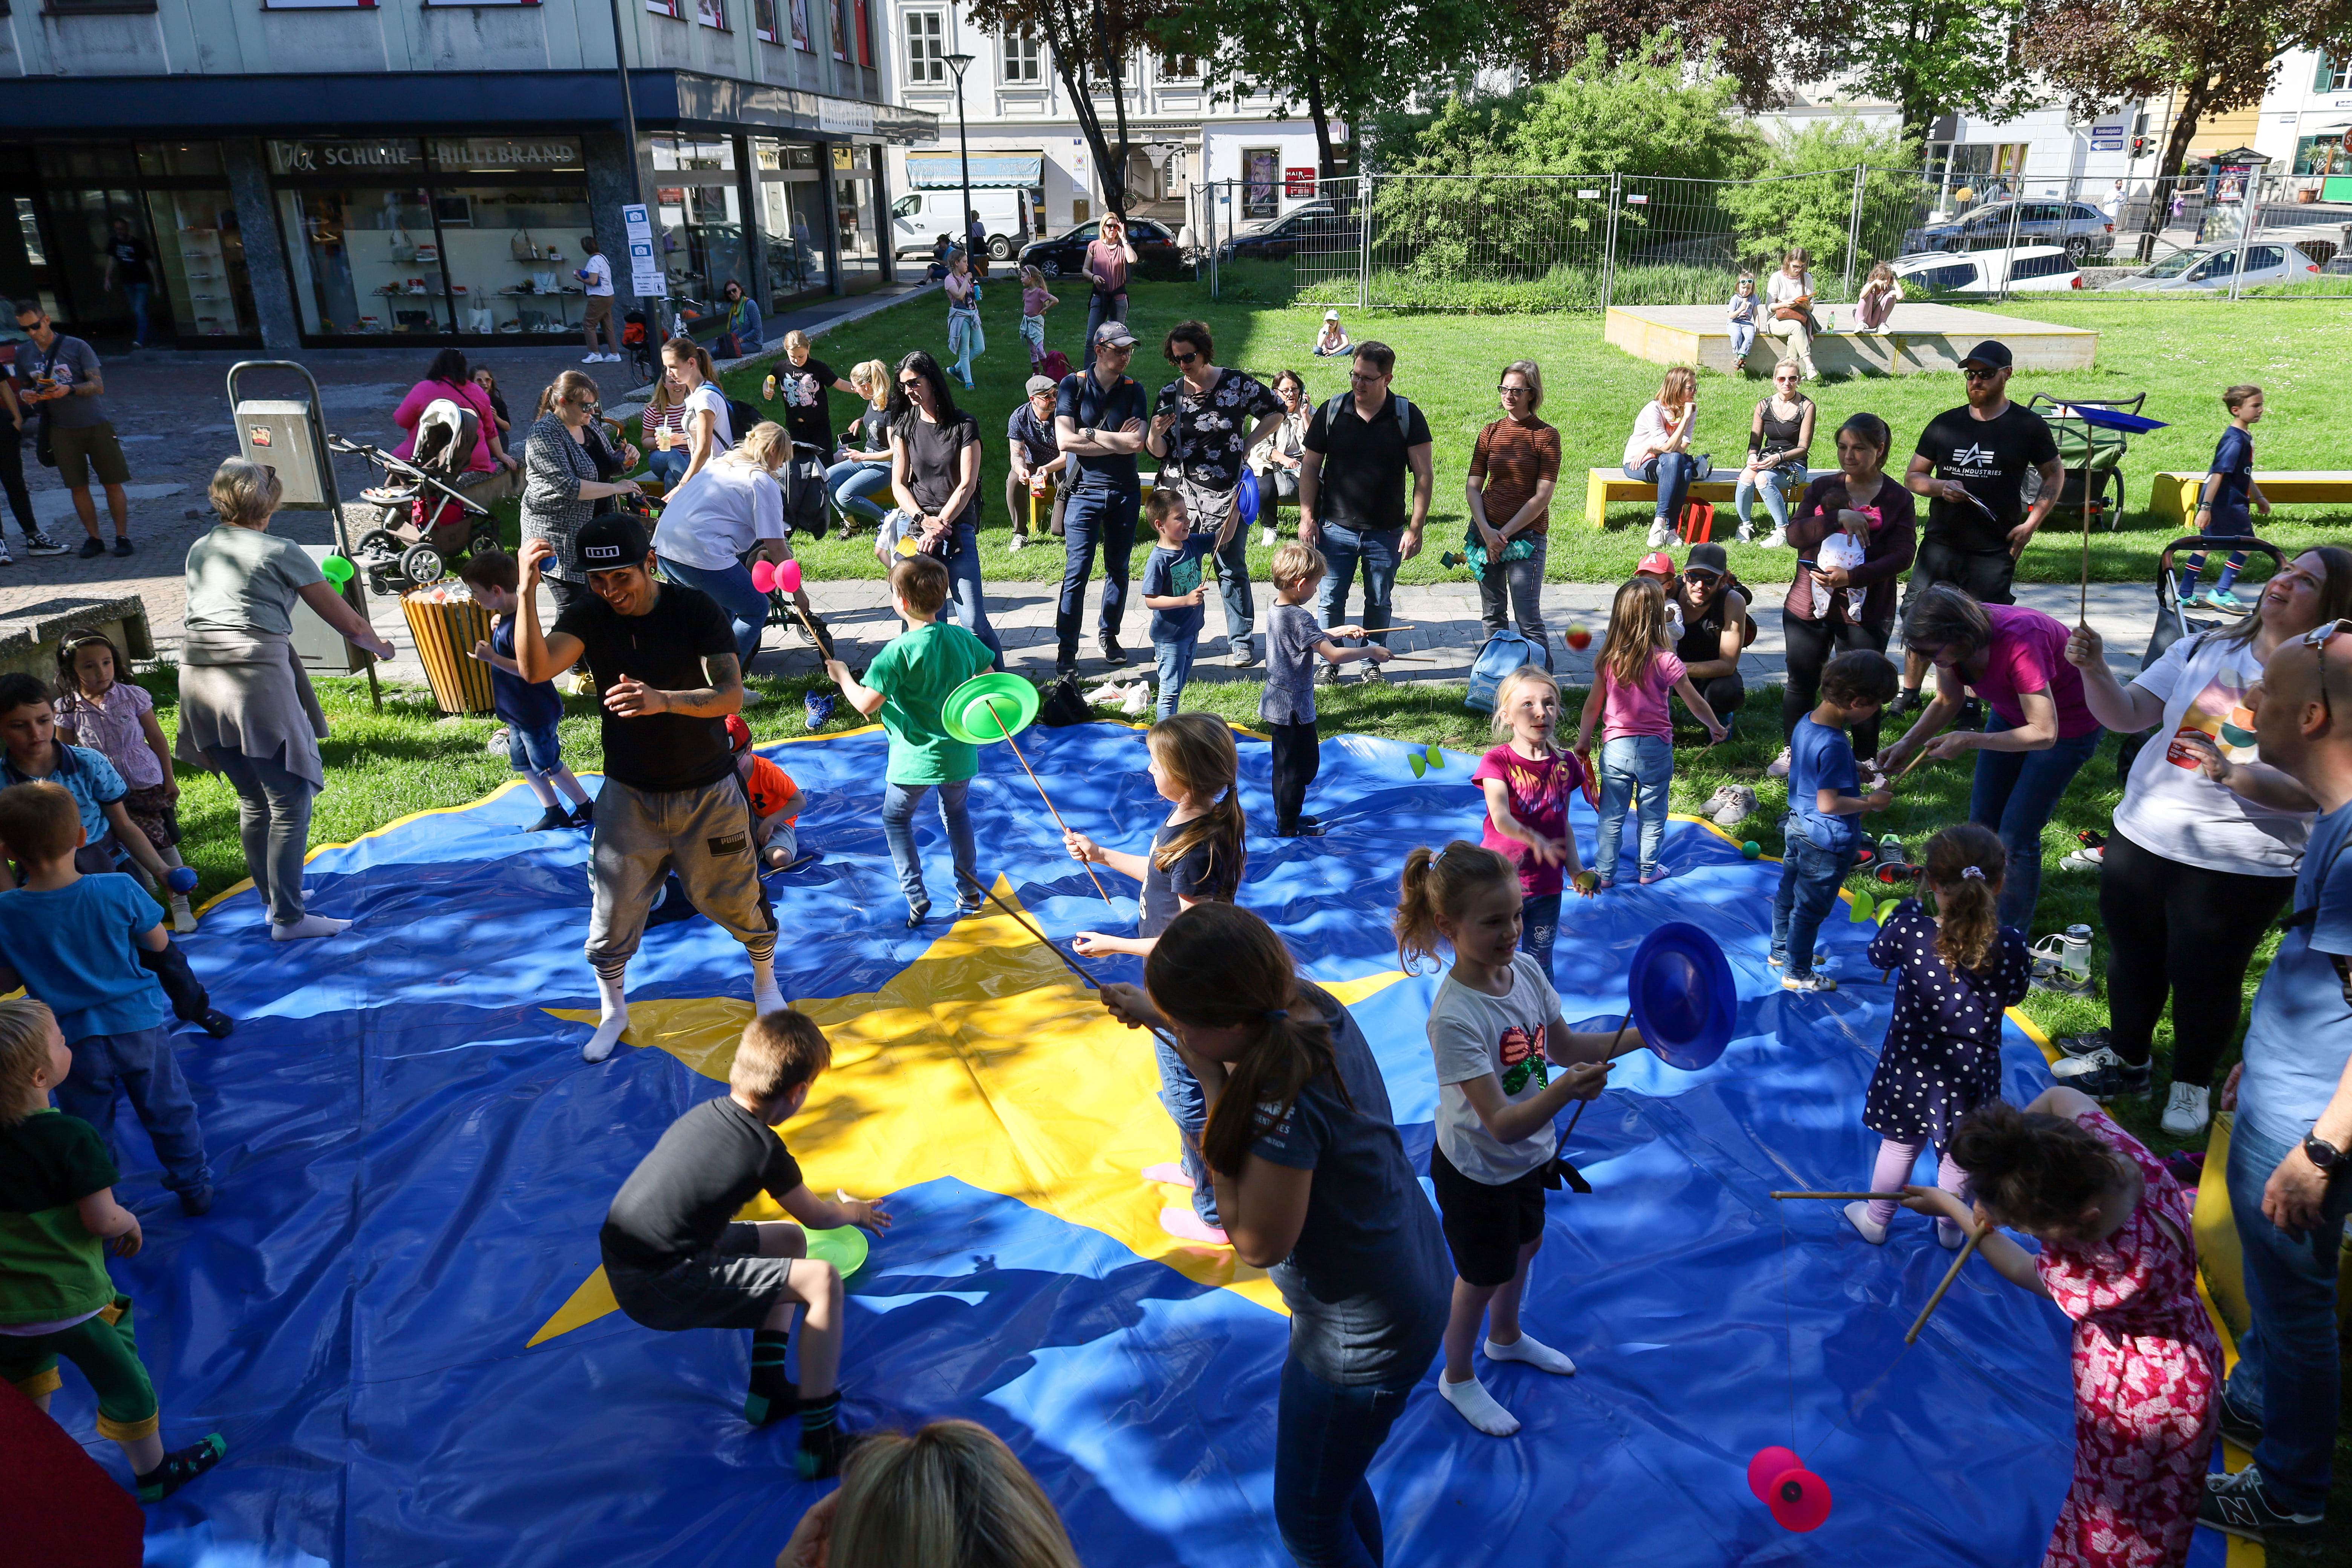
(2229, 490)
(1824, 839)
(1173, 593)
(531, 707)
(75, 942)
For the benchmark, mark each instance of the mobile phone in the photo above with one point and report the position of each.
(1804, 566)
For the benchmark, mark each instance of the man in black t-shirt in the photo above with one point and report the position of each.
(1971, 464)
(665, 666)
(1351, 490)
(127, 265)
(1099, 423)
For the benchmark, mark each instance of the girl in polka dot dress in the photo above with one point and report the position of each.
(2118, 1258)
(1942, 1055)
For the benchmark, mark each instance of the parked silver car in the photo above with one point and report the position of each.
(2210, 267)
(2083, 230)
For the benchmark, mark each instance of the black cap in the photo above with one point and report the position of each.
(1992, 353)
(1708, 557)
(609, 542)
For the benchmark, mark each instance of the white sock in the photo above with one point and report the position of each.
(765, 997)
(612, 997)
(307, 927)
(1478, 1406)
(1535, 1353)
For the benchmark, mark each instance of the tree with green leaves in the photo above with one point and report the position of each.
(1087, 41)
(1926, 56)
(1800, 190)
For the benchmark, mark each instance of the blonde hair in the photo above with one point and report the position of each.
(25, 1029)
(1196, 751)
(1437, 885)
(1507, 692)
(951, 1496)
(796, 339)
(873, 378)
(1879, 271)
(1031, 278)
(244, 492)
(1637, 620)
(1680, 385)
(1746, 277)
(760, 446)
(1296, 562)
(779, 1052)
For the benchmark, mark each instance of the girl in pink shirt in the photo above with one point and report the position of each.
(1631, 678)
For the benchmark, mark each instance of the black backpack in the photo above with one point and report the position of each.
(740, 418)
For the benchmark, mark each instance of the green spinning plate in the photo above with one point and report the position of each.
(968, 714)
(845, 1249)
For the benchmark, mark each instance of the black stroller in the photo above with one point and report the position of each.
(429, 510)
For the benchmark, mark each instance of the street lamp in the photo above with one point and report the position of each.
(957, 63)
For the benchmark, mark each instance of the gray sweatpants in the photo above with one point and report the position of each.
(273, 822)
(704, 835)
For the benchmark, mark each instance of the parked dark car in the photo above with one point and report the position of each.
(2082, 230)
(1315, 227)
(1065, 255)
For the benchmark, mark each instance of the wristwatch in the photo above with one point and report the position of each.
(2322, 1153)
(1087, 434)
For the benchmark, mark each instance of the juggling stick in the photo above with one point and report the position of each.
(1917, 757)
(1034, 779)
(1891, 1197)
(1976, 1235)
(1067, 962)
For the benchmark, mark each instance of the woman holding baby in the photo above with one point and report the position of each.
(1823, 616)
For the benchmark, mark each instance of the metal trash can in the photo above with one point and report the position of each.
(446, 622)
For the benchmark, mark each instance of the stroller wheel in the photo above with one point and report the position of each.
(483, 544)
(380, 542)
(421, 565)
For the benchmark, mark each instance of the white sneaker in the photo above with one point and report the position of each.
(1265, 536)
(2081, 1066)
(42, 544)
(1662, 533)
(593, 359)
(184, 919)
(2087, 859)
(2188, 1111)
(7, 559)
(1017, 542)
(1779, 768)
(1775, 540)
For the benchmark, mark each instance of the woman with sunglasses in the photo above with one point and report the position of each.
(1780, 435)
(2207, 841)
(1203, 427)
(1513, 467)
(1279, 456)
(2039, 735)
(935, 452)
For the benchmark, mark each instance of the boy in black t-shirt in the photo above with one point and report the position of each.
(663, 658)
(677, 1258)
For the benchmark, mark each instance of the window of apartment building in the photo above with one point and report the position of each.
(1178, 67)
(863, 12)
(711, 13)
(2335, 75)
(763, 21)
(266, 4)
(798, 11)
(1025, 57)
(927, 50)
(674, 10)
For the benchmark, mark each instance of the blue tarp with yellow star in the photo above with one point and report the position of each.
(395, 1318)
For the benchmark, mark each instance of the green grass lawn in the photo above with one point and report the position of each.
(2180, 352)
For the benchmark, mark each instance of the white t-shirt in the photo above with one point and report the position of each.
(713, 518)
(1471, 1035)
(2172, 809)
(599, 275)
(707, 395)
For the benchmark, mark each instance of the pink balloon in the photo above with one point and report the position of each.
(788, 576)
(763, 576)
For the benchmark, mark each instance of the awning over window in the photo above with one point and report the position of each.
(944, 171)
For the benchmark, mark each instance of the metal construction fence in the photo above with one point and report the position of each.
(1569, 242)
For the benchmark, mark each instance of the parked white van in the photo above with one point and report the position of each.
(919, 217)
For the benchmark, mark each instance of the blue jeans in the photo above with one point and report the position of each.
(1810, 879)
(1095, 517)
(140, 1067)
(1670, 472)
(1636, 770)
(137, 294)
(899, 804)
(746, 607)
(966, 340)
(1234, 587)
(1540, 929)
(668, 467)
(2014, 793)
(1100, 308)
(1777, 484)
(2288, 1369)
(1743, 338)
(851, 483)
(1175, 669)
(969, 605)
(534, 752)
(1381, 552)
(1521, 583)
(1180, 1091)
(1324, 1439)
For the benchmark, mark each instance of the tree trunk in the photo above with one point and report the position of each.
(1327, 162)
(2193, 99)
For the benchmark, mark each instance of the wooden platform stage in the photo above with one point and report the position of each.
(1924, 338)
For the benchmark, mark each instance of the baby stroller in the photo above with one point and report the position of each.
(2173, 621)
(2093, 454)
(429, 510)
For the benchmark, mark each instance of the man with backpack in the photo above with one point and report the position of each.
(1369, 435)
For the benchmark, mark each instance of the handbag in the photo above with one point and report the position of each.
(521, 247)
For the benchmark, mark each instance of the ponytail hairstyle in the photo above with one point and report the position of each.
(1218, 966)
(1196, 751)
(2030, 1169)
(1968, 929)
(1438, 885)
(1637, 624)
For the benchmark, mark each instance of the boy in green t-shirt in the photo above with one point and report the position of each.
(906, 684)
(57, 1212)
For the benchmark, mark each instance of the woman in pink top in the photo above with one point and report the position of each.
(448, 378)
(1108, 260)
(2039, 735)
(1630, 678)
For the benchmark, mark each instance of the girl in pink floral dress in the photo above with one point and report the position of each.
(2118, 1258)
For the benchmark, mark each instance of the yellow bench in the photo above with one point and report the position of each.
(2173, 498)
(1603, 486)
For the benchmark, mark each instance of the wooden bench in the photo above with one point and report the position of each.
(2173, 498)
(1603, 486)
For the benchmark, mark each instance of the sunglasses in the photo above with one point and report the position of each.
(1700, 574)
(2316, 640)
(1508, 390)
(910, 381)
(1184, 359)
(1978, 372)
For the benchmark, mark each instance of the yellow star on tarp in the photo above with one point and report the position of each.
(985, 1060)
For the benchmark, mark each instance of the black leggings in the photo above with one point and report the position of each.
(1808, 644)
(2186, 930)
(12, 480)
(1297, 758)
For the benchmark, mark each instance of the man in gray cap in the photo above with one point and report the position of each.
(1037, 458)
(1971, 464)
(1099, 423)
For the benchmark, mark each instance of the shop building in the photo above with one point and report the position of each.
(326, 174)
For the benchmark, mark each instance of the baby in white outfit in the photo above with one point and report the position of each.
(1844, 550)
